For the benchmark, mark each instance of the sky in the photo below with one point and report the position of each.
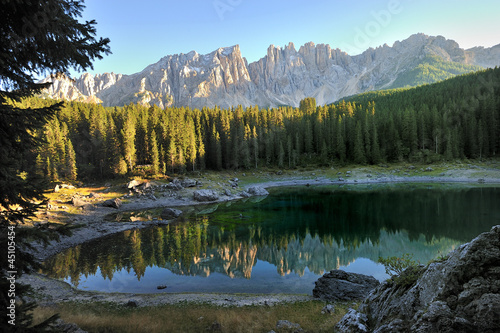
(142, 32)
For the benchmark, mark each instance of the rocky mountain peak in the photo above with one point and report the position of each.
(283, 76)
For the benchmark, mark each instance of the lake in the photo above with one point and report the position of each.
(284, 242)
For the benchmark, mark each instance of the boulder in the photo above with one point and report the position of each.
(132, 303)
(113, 203)
(188, 182)
(170, 213)
(245, 194)
(134, 183)
(77, 202)
(289, 326)
(353, 322)
(175, 185)
(458, 294)
(329, 308)
(146, 186)
(257, 190)
(338, 285)
(205, 195)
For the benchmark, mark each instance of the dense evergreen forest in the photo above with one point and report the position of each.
(455, 119)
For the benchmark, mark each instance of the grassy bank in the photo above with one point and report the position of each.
(191, 317)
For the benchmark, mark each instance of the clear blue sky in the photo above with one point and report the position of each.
(142, 32)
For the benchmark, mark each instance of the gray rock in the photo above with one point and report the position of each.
(329, 308)
(282, 76)
(132, 303)
(88, 207)
(245, 194)
(257, 190)
(134, 183)
(353, 322)
(205, 195)
(113, 203)
(175, 185)
(170, 213)
(287, 325)
(459, 294)
(188, 182)
(77, 202)
(338, 285)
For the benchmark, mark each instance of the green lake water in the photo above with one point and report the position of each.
(284, 242)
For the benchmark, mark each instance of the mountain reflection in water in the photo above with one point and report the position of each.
(284, 242)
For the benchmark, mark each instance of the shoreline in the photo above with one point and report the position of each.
(94, 226)
(51, 291)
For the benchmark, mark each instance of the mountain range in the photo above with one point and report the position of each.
(284, 76)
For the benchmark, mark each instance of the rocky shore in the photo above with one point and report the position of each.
(93, 225)
(460, 293)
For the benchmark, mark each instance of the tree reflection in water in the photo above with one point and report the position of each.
(296, 230)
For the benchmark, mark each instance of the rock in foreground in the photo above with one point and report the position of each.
(339, 285)
(170, 213)
(205, 195)
(459, 294)
(257, 190)
(113, 203)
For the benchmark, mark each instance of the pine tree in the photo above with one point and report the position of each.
(375, 156)
(341, 148)
(172, 154)
(191, 151)
(308, 137)
(71, 172)
(281, 155)
(359, 154)
(155, 153)
(218, 152)
(38, 37)
(128, 140)
(255, 145)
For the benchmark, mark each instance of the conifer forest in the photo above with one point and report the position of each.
(458, 118)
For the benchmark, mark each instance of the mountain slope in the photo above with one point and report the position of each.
(283, 77)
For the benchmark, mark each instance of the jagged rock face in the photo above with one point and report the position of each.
(460, 294)
(484, 57)
(284, 76)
